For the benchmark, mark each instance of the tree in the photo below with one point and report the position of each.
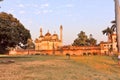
(110, 30)
(91, 41)
(83, 40)
(113, 27)
(12, 32)
(30, 44)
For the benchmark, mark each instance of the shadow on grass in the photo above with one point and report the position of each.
(12, 59)
(24, 58)
(15, 57)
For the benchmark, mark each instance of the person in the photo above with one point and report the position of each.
(119, 59)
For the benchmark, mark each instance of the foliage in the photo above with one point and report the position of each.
(83, 40)
(110, 30)
(30, 44)
(107, 31)
(113, 27)
(12, 32)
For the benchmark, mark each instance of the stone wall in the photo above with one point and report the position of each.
(72, 50)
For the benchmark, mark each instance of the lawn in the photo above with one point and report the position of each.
(37, 67)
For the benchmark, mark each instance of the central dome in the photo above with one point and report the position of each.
(55, 35)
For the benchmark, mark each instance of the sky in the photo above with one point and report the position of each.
(90, 16)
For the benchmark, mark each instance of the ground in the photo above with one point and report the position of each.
(37, 67)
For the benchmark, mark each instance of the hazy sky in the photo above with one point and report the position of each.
(90, 16)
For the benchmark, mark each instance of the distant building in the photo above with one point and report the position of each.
(50, 44)
(110, 46)
(49, 41)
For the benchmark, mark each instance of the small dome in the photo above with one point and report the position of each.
(36, 40)
(48, 34)
(55, 37)
(41, 36)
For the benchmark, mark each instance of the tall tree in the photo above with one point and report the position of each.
(83, 40)
(12, 32)
(117, 19)
(91, 41)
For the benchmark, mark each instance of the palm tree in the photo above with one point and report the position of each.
(108, 32)
(113, 27)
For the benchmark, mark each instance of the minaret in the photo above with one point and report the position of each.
(61, 29)
(40, 31)
(117, 19)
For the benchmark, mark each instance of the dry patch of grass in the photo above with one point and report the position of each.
(105, 66)
(59, 68)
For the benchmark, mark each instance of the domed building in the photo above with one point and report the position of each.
(48, 41)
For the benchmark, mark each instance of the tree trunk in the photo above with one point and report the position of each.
(109, 37)
(117, 18)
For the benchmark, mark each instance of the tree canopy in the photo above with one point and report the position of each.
(83, 40)
(12, 32)
(110, 30)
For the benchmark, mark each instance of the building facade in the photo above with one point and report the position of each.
(49, 44)
(49, 41)
(109, 47)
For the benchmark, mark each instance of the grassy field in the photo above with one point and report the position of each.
(36, 67)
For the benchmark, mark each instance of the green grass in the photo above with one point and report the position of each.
(36, 67)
